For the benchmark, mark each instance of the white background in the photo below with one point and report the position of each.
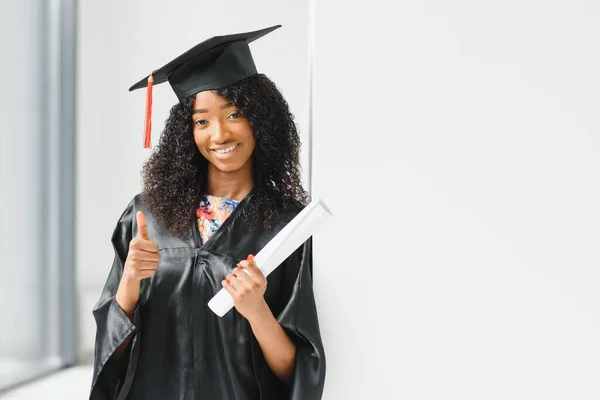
(457, 144)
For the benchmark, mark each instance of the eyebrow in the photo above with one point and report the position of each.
(204, 110)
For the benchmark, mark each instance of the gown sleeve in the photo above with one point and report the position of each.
(112, 324)
(298, 317)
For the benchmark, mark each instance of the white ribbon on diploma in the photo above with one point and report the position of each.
(292, 236)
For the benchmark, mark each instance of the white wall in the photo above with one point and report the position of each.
(21, 155)
(457, 145)
(119, 43)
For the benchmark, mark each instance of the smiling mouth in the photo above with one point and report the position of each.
(226, 149)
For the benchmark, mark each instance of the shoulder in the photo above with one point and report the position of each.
(156, 231)
(136, 204)
(284, 217)
(292, 211)
(127, 221)
(131, 208)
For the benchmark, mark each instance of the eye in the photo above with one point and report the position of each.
(201, 122)
(235, 115)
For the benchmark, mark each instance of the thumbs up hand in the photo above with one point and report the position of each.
(142, 258)
(142, 262)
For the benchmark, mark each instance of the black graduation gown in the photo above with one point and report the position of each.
(182, 350)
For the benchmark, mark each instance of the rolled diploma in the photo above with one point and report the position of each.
(292, 236)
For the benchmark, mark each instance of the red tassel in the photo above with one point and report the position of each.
(148, 128)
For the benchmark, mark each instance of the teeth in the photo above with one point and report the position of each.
(226, 150)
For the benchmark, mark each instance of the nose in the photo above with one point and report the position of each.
(220, 134)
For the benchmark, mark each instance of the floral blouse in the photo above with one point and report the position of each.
(211, 213)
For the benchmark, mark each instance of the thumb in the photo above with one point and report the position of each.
(142, 225)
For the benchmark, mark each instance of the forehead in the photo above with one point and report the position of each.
(209, 99)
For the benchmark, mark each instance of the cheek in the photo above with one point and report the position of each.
(249, 136)
(201, 143)
(251, 142)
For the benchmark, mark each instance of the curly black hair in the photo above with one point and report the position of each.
(174, 176)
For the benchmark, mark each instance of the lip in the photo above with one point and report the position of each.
(229, 154)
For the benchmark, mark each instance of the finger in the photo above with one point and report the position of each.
(254, 282)
(245, 265)
(142, 225)
(229, 288)
(144, 265)
(241, 274)
(232, 281)
(141, 255)
(240, 268)
(144, 274)
(148, 245)
(252, 268)
(143, 244)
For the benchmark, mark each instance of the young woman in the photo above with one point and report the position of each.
(222, 182)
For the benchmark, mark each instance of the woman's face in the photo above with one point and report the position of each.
(222, 133)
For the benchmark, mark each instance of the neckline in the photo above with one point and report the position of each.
(210, 196)
(224, 226)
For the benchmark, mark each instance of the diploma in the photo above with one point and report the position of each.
(292, 236)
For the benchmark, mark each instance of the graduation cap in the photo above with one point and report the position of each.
(215, 63)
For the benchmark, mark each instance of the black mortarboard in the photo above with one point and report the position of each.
(215, 63)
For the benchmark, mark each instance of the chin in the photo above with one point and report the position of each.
(227, 167)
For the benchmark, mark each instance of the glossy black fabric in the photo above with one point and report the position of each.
(181, 349)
